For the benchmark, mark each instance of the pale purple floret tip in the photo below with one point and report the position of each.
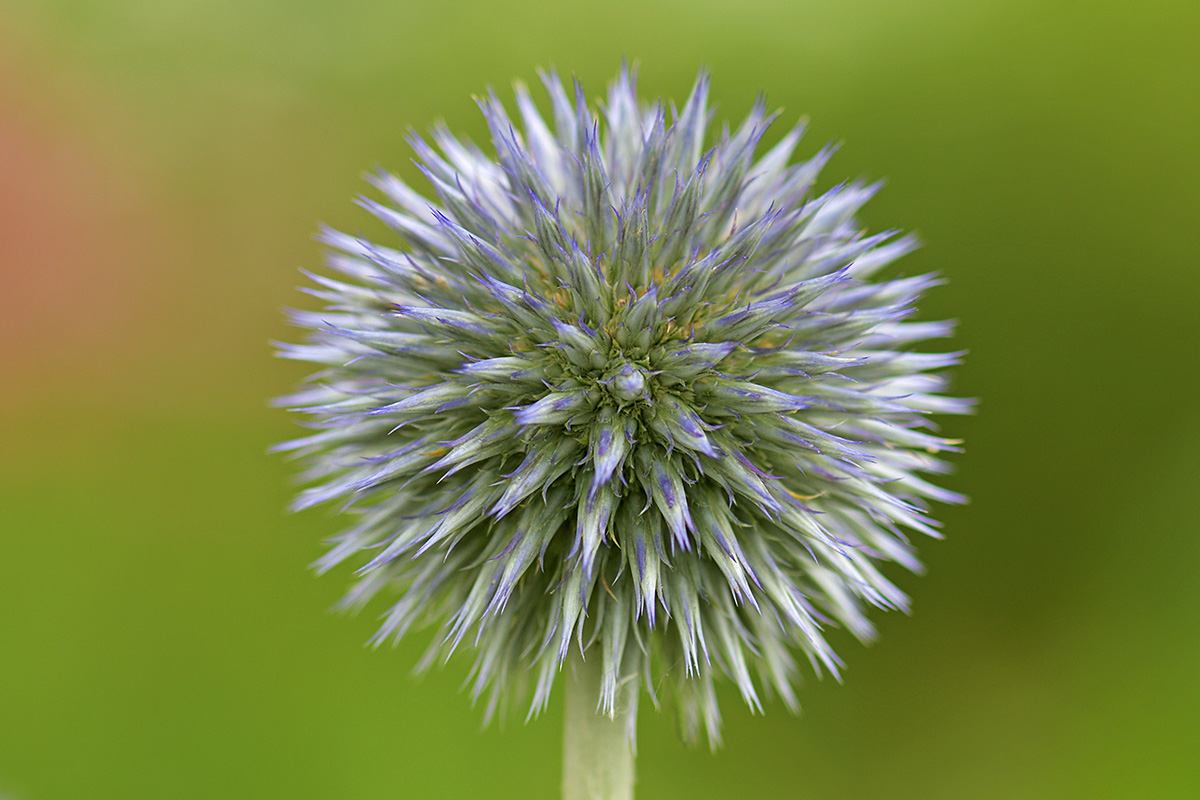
(626, 390)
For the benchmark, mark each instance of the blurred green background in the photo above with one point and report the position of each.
(163, 166)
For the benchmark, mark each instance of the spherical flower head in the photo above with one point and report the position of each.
(623, 390)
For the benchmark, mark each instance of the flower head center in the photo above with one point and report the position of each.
(629, 384)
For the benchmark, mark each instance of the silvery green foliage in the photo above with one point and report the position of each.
(623, 390)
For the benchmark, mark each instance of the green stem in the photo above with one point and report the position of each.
(597, 752)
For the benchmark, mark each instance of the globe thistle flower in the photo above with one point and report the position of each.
(627, 393)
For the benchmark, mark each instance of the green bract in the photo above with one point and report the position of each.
(622, 390)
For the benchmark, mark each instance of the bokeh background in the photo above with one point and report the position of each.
(163, 167)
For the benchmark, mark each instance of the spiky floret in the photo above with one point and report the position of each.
(620, 392)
